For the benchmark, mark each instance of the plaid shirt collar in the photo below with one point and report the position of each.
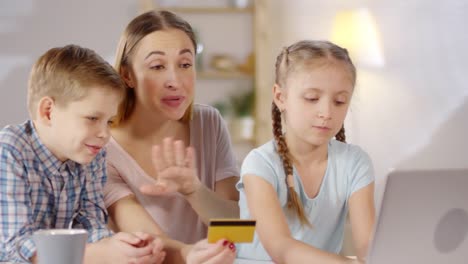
(42, 152)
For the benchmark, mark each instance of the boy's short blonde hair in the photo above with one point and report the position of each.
(66, 73)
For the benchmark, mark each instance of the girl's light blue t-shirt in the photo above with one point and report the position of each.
(349, 169)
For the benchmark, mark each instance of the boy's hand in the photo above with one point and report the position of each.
(126, 248)
(147, 239)
(176, 169)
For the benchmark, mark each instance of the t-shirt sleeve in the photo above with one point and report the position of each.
(116, 187)
(361, 172)
(258, 165)
(226, 163)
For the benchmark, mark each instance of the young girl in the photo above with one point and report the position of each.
(300, 186)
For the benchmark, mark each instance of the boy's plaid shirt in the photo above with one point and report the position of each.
(38, 191)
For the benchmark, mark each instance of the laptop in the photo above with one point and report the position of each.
(423, 218)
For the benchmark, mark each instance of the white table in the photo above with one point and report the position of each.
(248, 261)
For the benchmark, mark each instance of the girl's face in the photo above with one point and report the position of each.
(163, 73)
(315, 101)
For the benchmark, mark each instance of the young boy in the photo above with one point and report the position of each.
(52, 167)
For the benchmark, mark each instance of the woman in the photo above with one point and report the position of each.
(156, 59)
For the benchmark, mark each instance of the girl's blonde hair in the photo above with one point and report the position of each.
(136, 30)
(290, 59)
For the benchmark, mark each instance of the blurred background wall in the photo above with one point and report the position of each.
(30, 27)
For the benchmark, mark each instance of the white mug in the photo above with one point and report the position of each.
(59, 246)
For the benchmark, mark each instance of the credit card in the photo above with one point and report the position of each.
(234, 230)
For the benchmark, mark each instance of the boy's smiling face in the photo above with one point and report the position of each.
(80, 129)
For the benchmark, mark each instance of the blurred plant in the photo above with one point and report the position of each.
(243, 104)
(237, 105)
(223, 107)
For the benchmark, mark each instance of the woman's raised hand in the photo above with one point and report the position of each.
(175, 168)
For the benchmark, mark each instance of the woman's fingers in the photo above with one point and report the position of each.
(206, 253)
(190, 161)
(179, 151)
(222, 252)
(175, 168)
(224, 257)
(168, 152)
(202, 244)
